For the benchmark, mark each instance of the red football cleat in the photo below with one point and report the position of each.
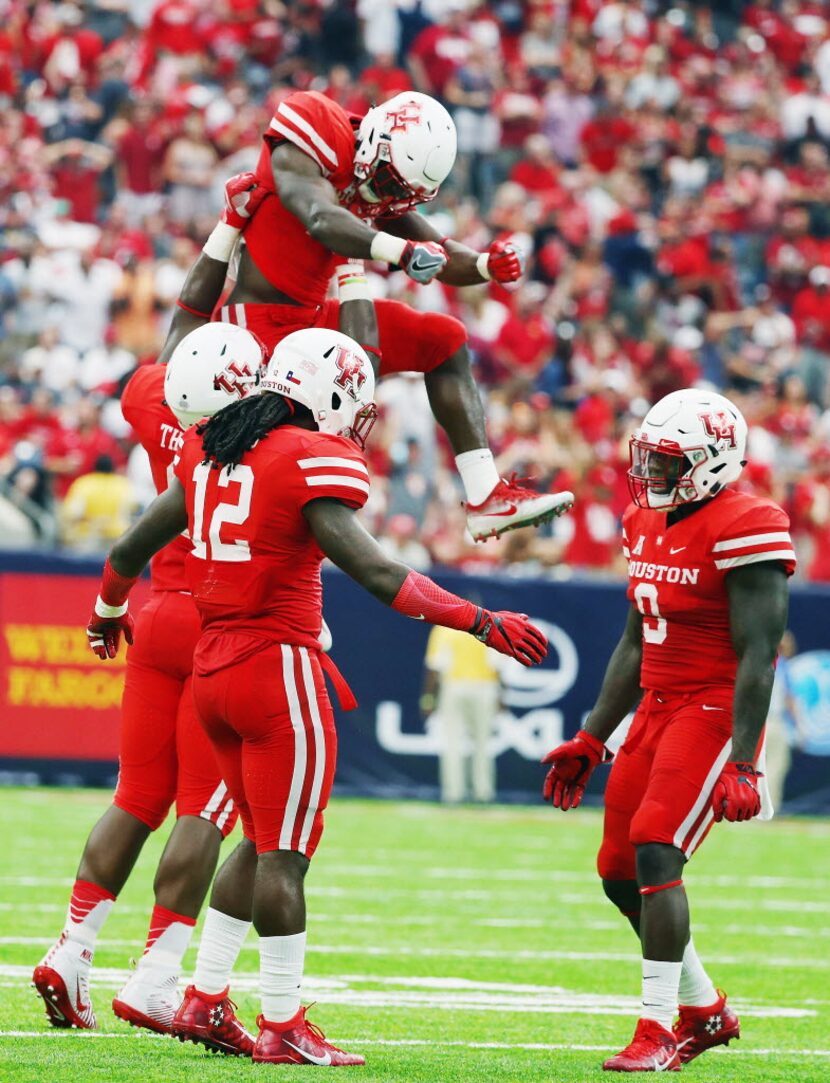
(699, 1029)
(652, 1049)
(210, 1020)
(62, 980)
(299, 1042)
(510, 506)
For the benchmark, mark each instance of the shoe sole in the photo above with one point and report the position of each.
(51, 988)
(136, 1018)
(725, 1040)
(209, 1044)
(533, 520)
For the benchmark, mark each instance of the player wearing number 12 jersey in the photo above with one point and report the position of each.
(267, 488)
(708, 570)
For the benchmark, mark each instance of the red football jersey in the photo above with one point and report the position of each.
(677, 580)
(254, 570)
(159, 433)
(278, 242)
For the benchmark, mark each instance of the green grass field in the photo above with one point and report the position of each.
(463, 944)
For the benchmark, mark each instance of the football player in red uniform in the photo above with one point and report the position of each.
(708, 569)
(334, 178)
(267, 488)
(164, 754)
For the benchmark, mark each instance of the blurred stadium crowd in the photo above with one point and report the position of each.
(665, 165)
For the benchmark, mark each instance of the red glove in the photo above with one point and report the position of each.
(505, 262)
(243, 195)
(571, 767)
(735, 796)
(423, 260)
(511, 634)
(104, 633)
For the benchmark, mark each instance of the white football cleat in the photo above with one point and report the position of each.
(150, 999)
(62, 980)
(511, 506)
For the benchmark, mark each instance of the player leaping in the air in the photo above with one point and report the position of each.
(267, 488)
(164, 754)
(708, 570)
(345, 186)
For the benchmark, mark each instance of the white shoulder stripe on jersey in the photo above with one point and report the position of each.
(332, 460)
(298, 141)
(291, 115)
(755, 558)
(339, 481)
(751, 539)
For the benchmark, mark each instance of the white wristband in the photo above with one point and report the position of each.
(387, 248)
(352, 283)
(108, 611)
(220, 243)
(481, 266)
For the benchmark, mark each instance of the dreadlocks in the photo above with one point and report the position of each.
(235, 429)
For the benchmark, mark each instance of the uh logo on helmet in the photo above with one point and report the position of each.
(689, 446)
(329, 374)
(405, 150)
(213, 366)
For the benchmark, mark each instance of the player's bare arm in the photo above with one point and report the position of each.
(573, 761)
(348, 544)
(206, 279)
(307, 194)
(158, 526)
(163, 521)
(620, 688)
(502, 262)
(357, 317)
(758, 602)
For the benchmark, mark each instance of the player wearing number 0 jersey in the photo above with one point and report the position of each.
(329, 175)
(708, 570)
(267, 488)
(164, 755)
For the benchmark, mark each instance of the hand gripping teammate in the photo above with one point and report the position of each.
(267, 488)
(708, 571)
(164, 755)
(346, 186)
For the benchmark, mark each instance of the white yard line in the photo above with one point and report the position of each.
(421, 952)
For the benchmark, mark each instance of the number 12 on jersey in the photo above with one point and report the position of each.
(654, 626)
(226, 511)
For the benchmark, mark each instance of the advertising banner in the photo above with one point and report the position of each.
(60, 704)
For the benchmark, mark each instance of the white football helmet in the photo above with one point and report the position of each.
(213, 366)
(329, 374)
(688, 447)
(405, 150)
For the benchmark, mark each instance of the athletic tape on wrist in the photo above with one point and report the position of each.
(220, 243)
(352, 284)
(109, 611)
(386, 248)
(481, 266)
